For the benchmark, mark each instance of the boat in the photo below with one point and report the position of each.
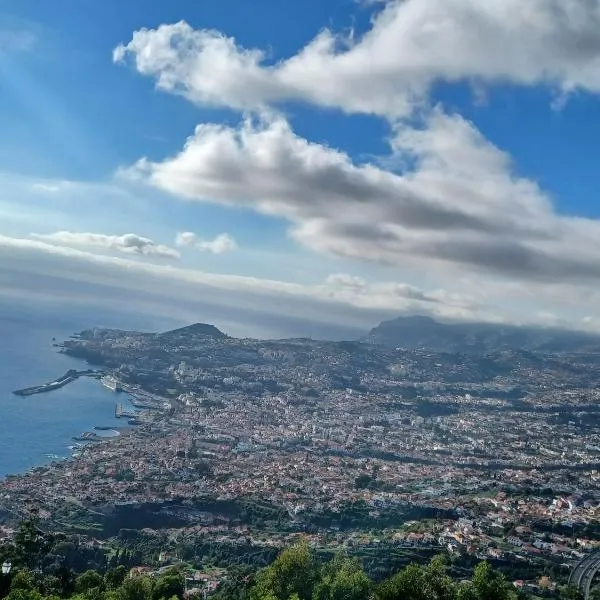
(111, 383)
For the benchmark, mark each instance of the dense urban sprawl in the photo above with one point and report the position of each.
(349, 444)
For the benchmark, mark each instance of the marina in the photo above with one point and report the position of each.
(122, 412)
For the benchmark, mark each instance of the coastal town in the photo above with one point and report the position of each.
(347, 444)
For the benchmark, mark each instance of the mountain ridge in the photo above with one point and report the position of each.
(423, 332)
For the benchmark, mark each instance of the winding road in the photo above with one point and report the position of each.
(584, 572)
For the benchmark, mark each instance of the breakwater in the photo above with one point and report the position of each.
(68, 377)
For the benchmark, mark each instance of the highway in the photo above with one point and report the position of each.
(584, 572)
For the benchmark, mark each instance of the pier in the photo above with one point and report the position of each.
(89, 436)
(120, 411)
(70, 376)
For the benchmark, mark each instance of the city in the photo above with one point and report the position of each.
(354, 445)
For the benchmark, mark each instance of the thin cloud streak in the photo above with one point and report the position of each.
(128, 243)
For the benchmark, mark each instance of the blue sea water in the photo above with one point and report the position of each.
(36, 429)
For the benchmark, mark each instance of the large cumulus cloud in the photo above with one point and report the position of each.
(460, 205)
(411, 45)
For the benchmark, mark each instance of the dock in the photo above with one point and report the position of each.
(70, 376)
(88, 436)
(120, 412)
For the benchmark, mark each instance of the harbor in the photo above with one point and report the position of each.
(134, 407)
(138, 398)
(42, 419)
(125, 409)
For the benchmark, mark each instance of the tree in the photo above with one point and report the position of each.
(30, 543)
(115, 577)
(441, 583)
(170, 585)
(487, 584)
(418, 583)
(67, 580)
(236, 586)
(88, 581)
(114, 594)
(204, 469)
(23, 580)
(571, 592)
(137, 588)
(21, 594)
(408, 584)
(466, 592)
(362, 481)
(50, 585)
(342, 579)
(293, 572)
(595, 593)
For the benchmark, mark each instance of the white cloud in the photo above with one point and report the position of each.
(453, 206)
(220, 244)
(460, 205)
(411, 45)
(185, 238)
(129, 243)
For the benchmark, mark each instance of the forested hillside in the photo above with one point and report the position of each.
(52, 567)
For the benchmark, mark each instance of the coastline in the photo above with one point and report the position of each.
(33, 335)
(39, 433)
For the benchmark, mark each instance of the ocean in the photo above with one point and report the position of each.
(38, 429)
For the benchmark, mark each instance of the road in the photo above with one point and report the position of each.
(584, 572)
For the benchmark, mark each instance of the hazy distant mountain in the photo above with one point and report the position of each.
(426, 333)
(195, 330)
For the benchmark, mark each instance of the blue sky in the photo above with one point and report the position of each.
(67, 91)
(418, 156)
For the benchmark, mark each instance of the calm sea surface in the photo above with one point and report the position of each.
(38, 429)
